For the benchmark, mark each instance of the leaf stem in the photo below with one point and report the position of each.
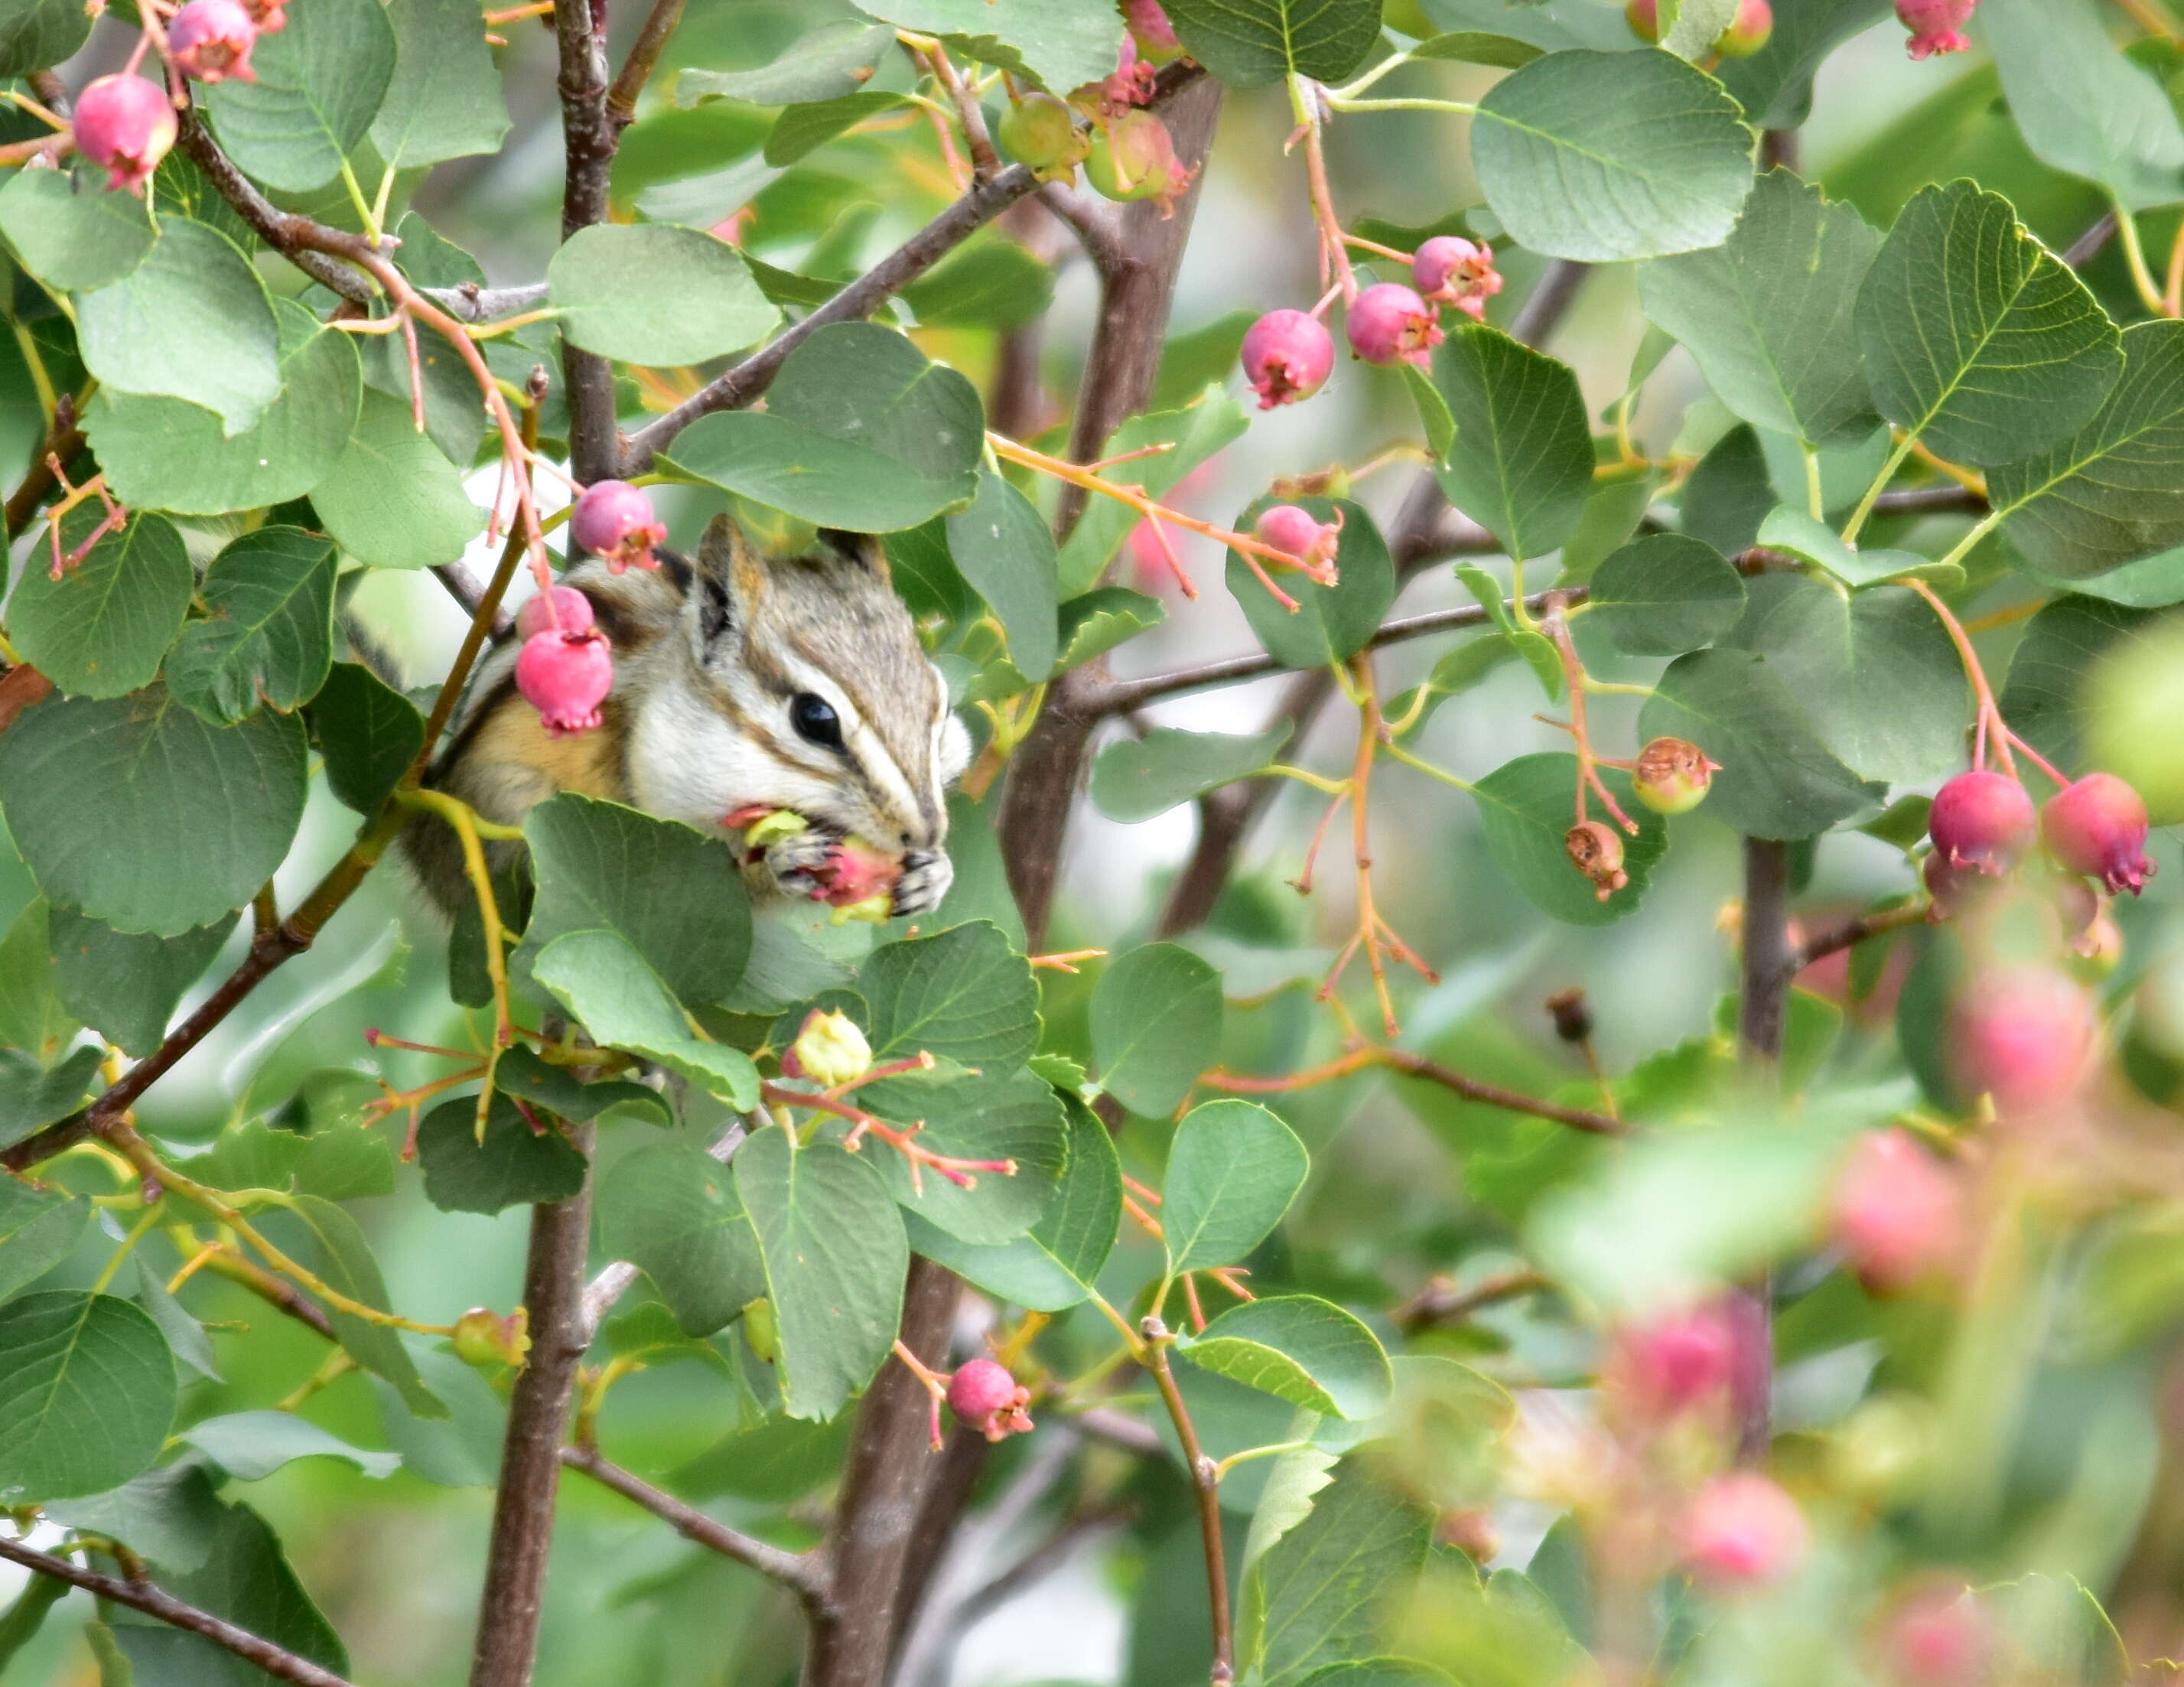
(1206, 1484)
(1896, 461)
(2142, 278)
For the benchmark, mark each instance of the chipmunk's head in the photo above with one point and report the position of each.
(796, 684)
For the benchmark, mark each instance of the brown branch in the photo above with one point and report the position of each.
(277, 1291)
(1926, 501)
(643, 58)
(468, 302)
(1852, 931)
(985, 162)
(1097, 229)
(589, 138)
(2087, 246)
(1206, 1486)
(1118, 1430)
(1767, 967)
(513, 1597)
(1441, 1302)
(304, 242)
(61, 442)
(798, 1572)
(155, 1601)
(1493, 1095)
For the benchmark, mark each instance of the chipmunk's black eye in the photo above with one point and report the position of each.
(813, 716)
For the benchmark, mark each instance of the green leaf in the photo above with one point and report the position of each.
(2081, 105)
(1550, 25)
(835, 60)
(1004, 548)
(39, 1228)
(128, 985)
(1096, 622)
(1522, 462)
(368, 733)
(672, 1211)
(171, 1515)
(1062, 46)
(251, 1445)
(2044, 696)
(1192, 434)
(1877, 673)
(1607, 156)
(515, 1166)
(2114, 492)
(1332, 623)
(1663, 594)
(31, 1097)
(1462, 667)
(652, 293)
(344, 1259)
(185, 1334)
(1133, 779)
(32, 1017)
(860, 432)
(1056, 1264)
(833, 1253)
(164, 454)
(674, 894)
(268, 637)
(444, 100)
(1793, 530)
(802, 130)
(320, 82)
(992, 283)
(392, 498)
(1975, 339)
(1017, 1117)
(36, 35)
(1697, 24)
(1248, 43)
(603, 981)
(962, 995)
(336, 1160)
(87, 1391)
(1324, 1592)
(1298, 1348)
(1775, 85)
(523, 1075)
(459, 1450)
(1768, 315)
(102, 628)
(193, 322)
(1525, 808)
(1477, 46)
(1778, 778)
(1232, 1170)
(96, 793)
(72, 235)
(1729, 493)
(1155, 1026)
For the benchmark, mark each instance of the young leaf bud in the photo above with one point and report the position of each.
(614, 522)
(1742, 1531)
(1982, 820)
(1389, 323)
(985, 1397)
(1287, 356)
(1898, 1213)
(538, 614)
(1596, 849)
(829, 1049)
(2022, 1035)
(1288, 527)
(1672, 775)
(1450, 270)
(210, 40)
(1935, 26)
(2098, 826)
(125, 123)
(565, 679)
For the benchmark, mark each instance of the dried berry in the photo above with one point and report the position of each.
(2098, 826)
(1898, 1213)
(1287, 356)
(1982, 820)
(125, 123)
(1132, 84)
(830, 1049)
(1672, 775)
(1596, 849)
(565, 677)
(614, 522)
(210, 40)
(1041, 131)
(985, 1397)
(1289, 528)
(1935, 26)
(1450, 270)
(1388, 323)
(2021, 1035)
(1743, 1531)
(564, 610)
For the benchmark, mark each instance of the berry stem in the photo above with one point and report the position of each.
(1555, 625)
(1988, 712)
(1334, 258)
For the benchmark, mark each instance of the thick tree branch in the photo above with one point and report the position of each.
(798, 1572)
(154, 1601)
(589, 136)
(1763, 1004)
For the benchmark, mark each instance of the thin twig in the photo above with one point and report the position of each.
(1441, 1302)
(1411, 1065)
(154, 1601)
(1852, 931)
(1206, 1486)
(801, 1572)
(643, 57)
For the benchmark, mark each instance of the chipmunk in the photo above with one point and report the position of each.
(740, 686)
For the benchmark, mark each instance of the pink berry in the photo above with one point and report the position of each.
(614, 522)
(211, 39)
(985, 1397)
(2022, 1035)
(572, 606)
(1388, 323)
(1939, 1636)
(1288, 355)
(1666, 1368)
(1304, 536)
(126, 124)
(1898, 1213)
(1672, 775)
(1748, 33)
(1935, 26)
(1743, 1531)
(271, 16)
(1982, 820)
(564, 678)
(1643, 17)
(2098, 826)
(1149, 24)
(1451, 269)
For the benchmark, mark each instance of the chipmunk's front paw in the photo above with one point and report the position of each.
(926, 876)
(799, 866)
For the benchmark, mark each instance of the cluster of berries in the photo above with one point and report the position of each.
(1127, 151)
(564, 669)
(126, 124)
(1670, 776)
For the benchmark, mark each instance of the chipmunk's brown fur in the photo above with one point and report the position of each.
(722, 668)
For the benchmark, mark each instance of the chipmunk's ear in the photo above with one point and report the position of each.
(864, 549)
(730, 584)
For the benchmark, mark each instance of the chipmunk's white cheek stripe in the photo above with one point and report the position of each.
(902, 808)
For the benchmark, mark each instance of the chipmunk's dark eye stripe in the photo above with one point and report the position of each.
(815, 718)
